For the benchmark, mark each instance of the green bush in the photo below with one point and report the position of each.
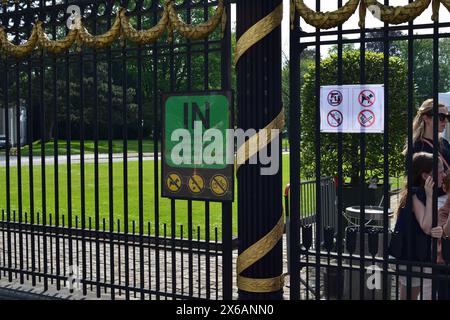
(397, 120)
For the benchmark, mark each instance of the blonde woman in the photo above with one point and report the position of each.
(423, 132)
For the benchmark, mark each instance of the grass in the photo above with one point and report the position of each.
(89, 147)
(148, 213)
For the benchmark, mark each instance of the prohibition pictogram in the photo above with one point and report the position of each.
(196, 183)
(173, 182)
(335, 98)
(366, 118)
(219, 185)
(334, 118)
(366, 98)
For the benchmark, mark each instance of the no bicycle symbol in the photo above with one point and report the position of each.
(366, 118)
(334, 118)
(335, 98)
(366, 98)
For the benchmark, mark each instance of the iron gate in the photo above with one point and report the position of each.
(335, 263)
(84, 207)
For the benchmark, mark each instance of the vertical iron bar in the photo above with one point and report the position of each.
(125, 170)
(386, 46)
(96, 163)
(227, 208)
(362, 176)
(140, 151)
(294, 159)
(82, 176)
(110, 163)
(318, 158)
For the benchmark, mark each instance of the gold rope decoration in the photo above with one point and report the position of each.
(195, 32)
(395, 15)
(253, 254)
(121, 28)
(263, 246)
(103, 40)
(143, 36)
(258, 31)
(17, 51)
(55, 46)
(326, 20)
(252, 145)
(436, 4)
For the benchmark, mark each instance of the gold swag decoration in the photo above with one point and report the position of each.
(393, 15)
(200, 31)
(388, 14)
(325, 20)
(55, 46)
(17, 51)
(121, 28)
(143, 36)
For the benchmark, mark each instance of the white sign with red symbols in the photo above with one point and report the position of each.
(352, 108)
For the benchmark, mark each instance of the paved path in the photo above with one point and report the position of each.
(88, 158)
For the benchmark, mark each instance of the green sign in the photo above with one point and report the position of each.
(196, 164)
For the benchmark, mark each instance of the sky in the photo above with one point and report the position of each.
(371, 22)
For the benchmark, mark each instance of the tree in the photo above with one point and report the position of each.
(306, 61)
(423, 66)
(378, 46)
(374, 142)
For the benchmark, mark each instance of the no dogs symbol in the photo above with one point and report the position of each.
(366, 98)
(366, 118)
(334, 118)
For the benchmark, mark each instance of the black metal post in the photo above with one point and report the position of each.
(259, 102)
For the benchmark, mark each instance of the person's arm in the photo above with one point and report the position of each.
(424, 214)
(444, 217)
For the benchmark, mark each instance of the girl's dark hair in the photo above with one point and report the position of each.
(422, 162)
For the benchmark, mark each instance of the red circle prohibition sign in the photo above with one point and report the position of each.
(334, 118)
(366, 98)
(366, 118)
(335, 98)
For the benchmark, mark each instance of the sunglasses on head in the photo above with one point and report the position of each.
(442, 116)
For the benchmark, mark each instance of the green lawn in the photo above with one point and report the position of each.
(118, 195)
(307, 207)
(89, 147)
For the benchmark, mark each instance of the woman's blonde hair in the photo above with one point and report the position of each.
(419, 123)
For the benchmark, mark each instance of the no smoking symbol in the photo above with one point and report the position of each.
(334, 118)
(366, 118)
(334, 98)
(366, 98)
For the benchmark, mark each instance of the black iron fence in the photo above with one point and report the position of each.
(80, 201)
(352, 256)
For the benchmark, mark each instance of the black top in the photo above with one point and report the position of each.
(420, 241)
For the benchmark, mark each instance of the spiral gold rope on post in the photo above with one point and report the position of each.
(255, 253)
(263, 246)
(258, 31)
